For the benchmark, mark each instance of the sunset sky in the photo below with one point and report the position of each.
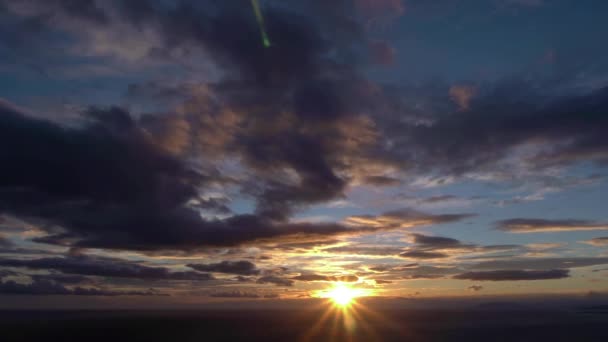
(176, 152)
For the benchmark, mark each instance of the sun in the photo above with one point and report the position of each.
(342, 295)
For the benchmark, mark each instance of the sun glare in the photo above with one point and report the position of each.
(343, 295)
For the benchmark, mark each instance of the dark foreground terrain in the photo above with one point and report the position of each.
(305, 325)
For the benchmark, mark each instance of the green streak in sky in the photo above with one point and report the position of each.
(260, 18)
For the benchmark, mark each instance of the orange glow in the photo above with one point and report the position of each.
(343, 295)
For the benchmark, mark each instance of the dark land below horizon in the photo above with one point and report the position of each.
(483, 323)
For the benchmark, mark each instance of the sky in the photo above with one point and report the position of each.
(175, 151)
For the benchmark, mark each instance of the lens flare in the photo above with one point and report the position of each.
(260, 19)
(343, 295)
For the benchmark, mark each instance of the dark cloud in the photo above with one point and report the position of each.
(307, 244)
(242, 267)
(539, 263)
(105, 267)
(382, 53)
(475, 288)
(274, 280)
(300, 74)
(243, 279)
(61, 278)
(382, 282)
(114, 183)
(5, 242)
(6, 273)
(327, 278)
(438, 199)
(43, 287)
(426, 272)
(422, 254)
(84, 9)
(434, 241)
(533, 225)
(512, 275)
(498, 121)
(381, 181)
(432, 247)
(106, 185)
(387, 268)
(234, 294)
(364, 250)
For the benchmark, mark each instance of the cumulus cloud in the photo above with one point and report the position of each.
(534, 225)
(148, 188)
(513, 275)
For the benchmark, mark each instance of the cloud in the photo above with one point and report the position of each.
(514, 275)
(242, 267)
(539, 263)
(382, 282)
(438, 199)
(308, 155)
(462, 95)
(274, 280)
(404, 218)
(326, 278)
(357, 249)
(382, 53)
(475, 288)
(130, 193)
(434, 241)
(381, 181)
(514, 128)
(533, 225)
(426, 272)
(43, 287)
(5, 242)
(234, 294)
(598, 241)
(377, 9)
(105, 267)
(6, 273)
(61, 278)
(415, 254)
